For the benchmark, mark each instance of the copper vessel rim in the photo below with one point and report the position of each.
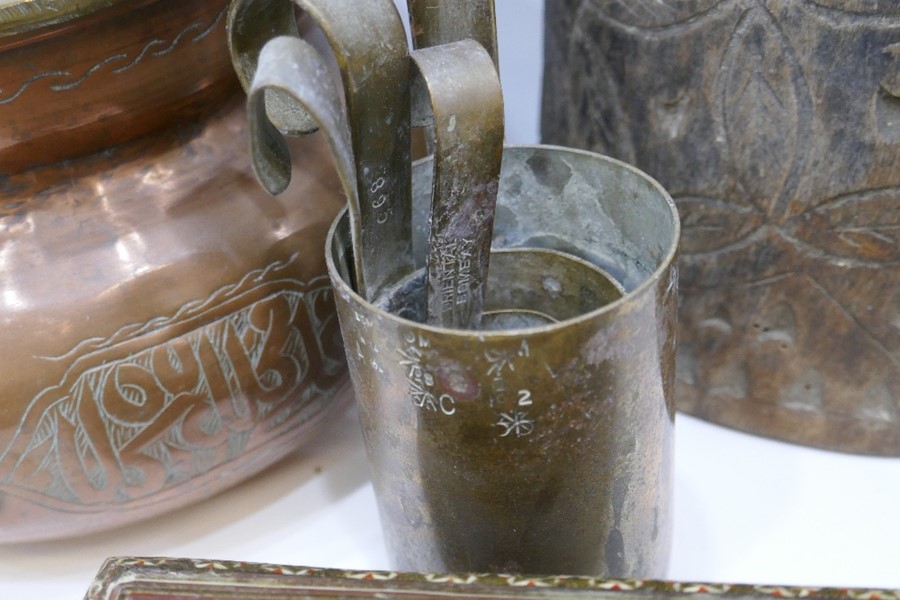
(22, 16)
(666, 263)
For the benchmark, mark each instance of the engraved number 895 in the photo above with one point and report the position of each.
(380, 201)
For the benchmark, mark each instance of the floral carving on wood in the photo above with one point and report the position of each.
(776, 127)
(653, 14)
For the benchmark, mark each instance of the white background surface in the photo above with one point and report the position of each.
(746, 509)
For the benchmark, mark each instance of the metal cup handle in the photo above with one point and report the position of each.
(369, 42)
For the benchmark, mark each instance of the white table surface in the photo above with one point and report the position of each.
(746, 509)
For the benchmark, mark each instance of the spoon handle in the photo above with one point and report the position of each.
(369, 43)
(436, 22)
(461, 83)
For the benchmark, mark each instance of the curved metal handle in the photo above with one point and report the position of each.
(294, 69)
(436, 22)
(369, 42)
(250, 24)
(463, 88)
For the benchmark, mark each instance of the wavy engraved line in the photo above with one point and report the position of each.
(212, 25)
(29, 81)
(222, 294)
(100, 369)
(142, 54)
(136, 330)
(61, 87)
(196, 306)
(661, 31)
(171, 47)
(190, 28)
(839, 17)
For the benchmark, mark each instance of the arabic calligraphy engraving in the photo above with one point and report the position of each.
(159, 403)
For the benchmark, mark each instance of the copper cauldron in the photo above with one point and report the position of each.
(167, 326)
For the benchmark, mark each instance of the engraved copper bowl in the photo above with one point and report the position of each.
(81, 76)
(167, 327)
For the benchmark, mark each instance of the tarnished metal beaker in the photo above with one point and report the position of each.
(546, 449)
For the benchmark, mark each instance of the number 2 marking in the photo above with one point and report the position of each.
(524, 397)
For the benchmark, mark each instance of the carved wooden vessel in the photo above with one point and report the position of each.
(776, 127)
(166, 327)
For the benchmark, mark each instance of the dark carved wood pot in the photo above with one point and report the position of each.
(167, 327)
(775, 124)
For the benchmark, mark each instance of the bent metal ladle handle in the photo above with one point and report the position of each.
(463, 88)
(249, 25)
(369, 42)
(437, 22)
(295, 70)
